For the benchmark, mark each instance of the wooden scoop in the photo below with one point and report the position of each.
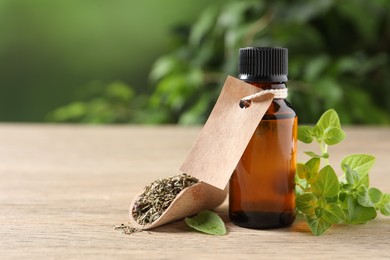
(189, 201)
(216, 151)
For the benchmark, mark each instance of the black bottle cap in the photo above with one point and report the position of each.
(264, 64)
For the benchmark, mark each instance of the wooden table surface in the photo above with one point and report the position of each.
(63, 188)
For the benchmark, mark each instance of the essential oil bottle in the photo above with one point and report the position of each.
(262, 194)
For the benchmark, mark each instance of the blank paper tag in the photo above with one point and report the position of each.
(228, 130)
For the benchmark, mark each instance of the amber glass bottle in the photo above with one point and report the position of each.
(261, 191)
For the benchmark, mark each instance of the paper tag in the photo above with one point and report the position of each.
(228, 130)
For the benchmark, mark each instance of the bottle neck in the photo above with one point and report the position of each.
(268, 85)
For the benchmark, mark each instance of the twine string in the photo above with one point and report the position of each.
(245, 102)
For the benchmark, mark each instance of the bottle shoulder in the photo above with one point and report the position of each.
(279, 109)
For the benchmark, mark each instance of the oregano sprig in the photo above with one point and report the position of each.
(323, 197)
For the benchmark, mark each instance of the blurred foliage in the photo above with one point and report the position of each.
(339, 57)
(49, 49)
(98, 103)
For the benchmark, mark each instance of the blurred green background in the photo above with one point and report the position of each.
(154, 62)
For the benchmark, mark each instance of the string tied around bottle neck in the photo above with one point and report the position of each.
(245, 102)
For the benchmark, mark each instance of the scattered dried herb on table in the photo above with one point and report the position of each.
(158, 196)
(127, 230)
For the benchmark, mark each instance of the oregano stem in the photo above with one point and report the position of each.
(298, 184)
(324, 150)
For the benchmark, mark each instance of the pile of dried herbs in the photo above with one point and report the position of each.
(158, 196)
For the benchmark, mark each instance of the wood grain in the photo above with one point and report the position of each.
(63, 188)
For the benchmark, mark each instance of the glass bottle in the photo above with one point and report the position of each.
(261, 191)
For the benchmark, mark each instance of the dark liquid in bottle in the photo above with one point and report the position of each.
(262, 191)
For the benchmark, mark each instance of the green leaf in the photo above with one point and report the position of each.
(317, 132)
(314, 155)
(344, 204)
(385, 209)
(302, 170)
(375, 195)
(326, 183)
(300, 185)
(369, 197)
(319, 212)
(347, 187)
(333, 135)
(318, 225)
(204, 24)
(305, 134)
(333, 213)
(361, 163)
(307, 203)
(328, 119)
(363, 198)
(358, 214)
(207, 222)
(351, 175)
(385, 204)
(163, 66)
(316, 66)
(313, 166)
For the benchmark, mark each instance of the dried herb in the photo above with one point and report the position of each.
(127, 230)
(158, 196)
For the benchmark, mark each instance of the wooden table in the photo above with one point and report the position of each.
(63, 188)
